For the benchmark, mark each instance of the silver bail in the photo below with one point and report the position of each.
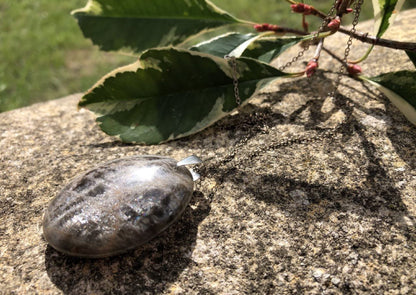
(191, 160)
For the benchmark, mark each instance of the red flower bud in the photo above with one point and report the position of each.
(258, 28)
(302, 8)
(311, 67)
(273, 27)
(334, 24)
(266, 27)
(354, 70)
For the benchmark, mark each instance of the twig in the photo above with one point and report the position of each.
(319, 49)
(364, 37)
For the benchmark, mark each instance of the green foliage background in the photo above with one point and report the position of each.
(44, 55)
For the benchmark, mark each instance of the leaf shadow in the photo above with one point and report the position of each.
(375, 193)
(111, 144)
(150, 269)
(402, 138)
(377, 190)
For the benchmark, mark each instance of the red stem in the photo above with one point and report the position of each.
(363, 37)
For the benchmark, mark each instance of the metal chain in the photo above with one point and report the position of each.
(357, 12)
(234, 73)
(314, 38)
(296, 139)
(209, 170)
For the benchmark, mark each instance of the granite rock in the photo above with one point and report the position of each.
(298, 209)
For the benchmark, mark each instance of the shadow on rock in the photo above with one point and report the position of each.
(111, 144)
(402, 136)
(149, 269)
(371, 188)
(297, 197)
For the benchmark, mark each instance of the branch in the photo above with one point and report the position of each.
(364, 37)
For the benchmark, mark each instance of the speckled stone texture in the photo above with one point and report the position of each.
(332, 216)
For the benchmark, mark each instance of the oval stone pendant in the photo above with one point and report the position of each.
(118, 206)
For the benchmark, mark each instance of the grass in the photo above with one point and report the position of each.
(44, 55)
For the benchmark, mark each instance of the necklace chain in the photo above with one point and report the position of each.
(234, 70)
(357, 11)
(296, 139)
(312, 41)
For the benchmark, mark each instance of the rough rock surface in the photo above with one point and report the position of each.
(333, 215)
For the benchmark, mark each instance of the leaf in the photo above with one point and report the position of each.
(249, 45)
(412, 56)
(384, 14)
(225, 44)
(268, 49)
(400, 88)
(141, 24)
(171, 93)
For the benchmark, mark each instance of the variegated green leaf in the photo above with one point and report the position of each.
(400, 88)
(412, 56)
(171, 93)
(225, 44)
(137, 25)
(248, 45)
(267, 49)
(384, 14)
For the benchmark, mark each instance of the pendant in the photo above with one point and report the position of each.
(119, 205)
